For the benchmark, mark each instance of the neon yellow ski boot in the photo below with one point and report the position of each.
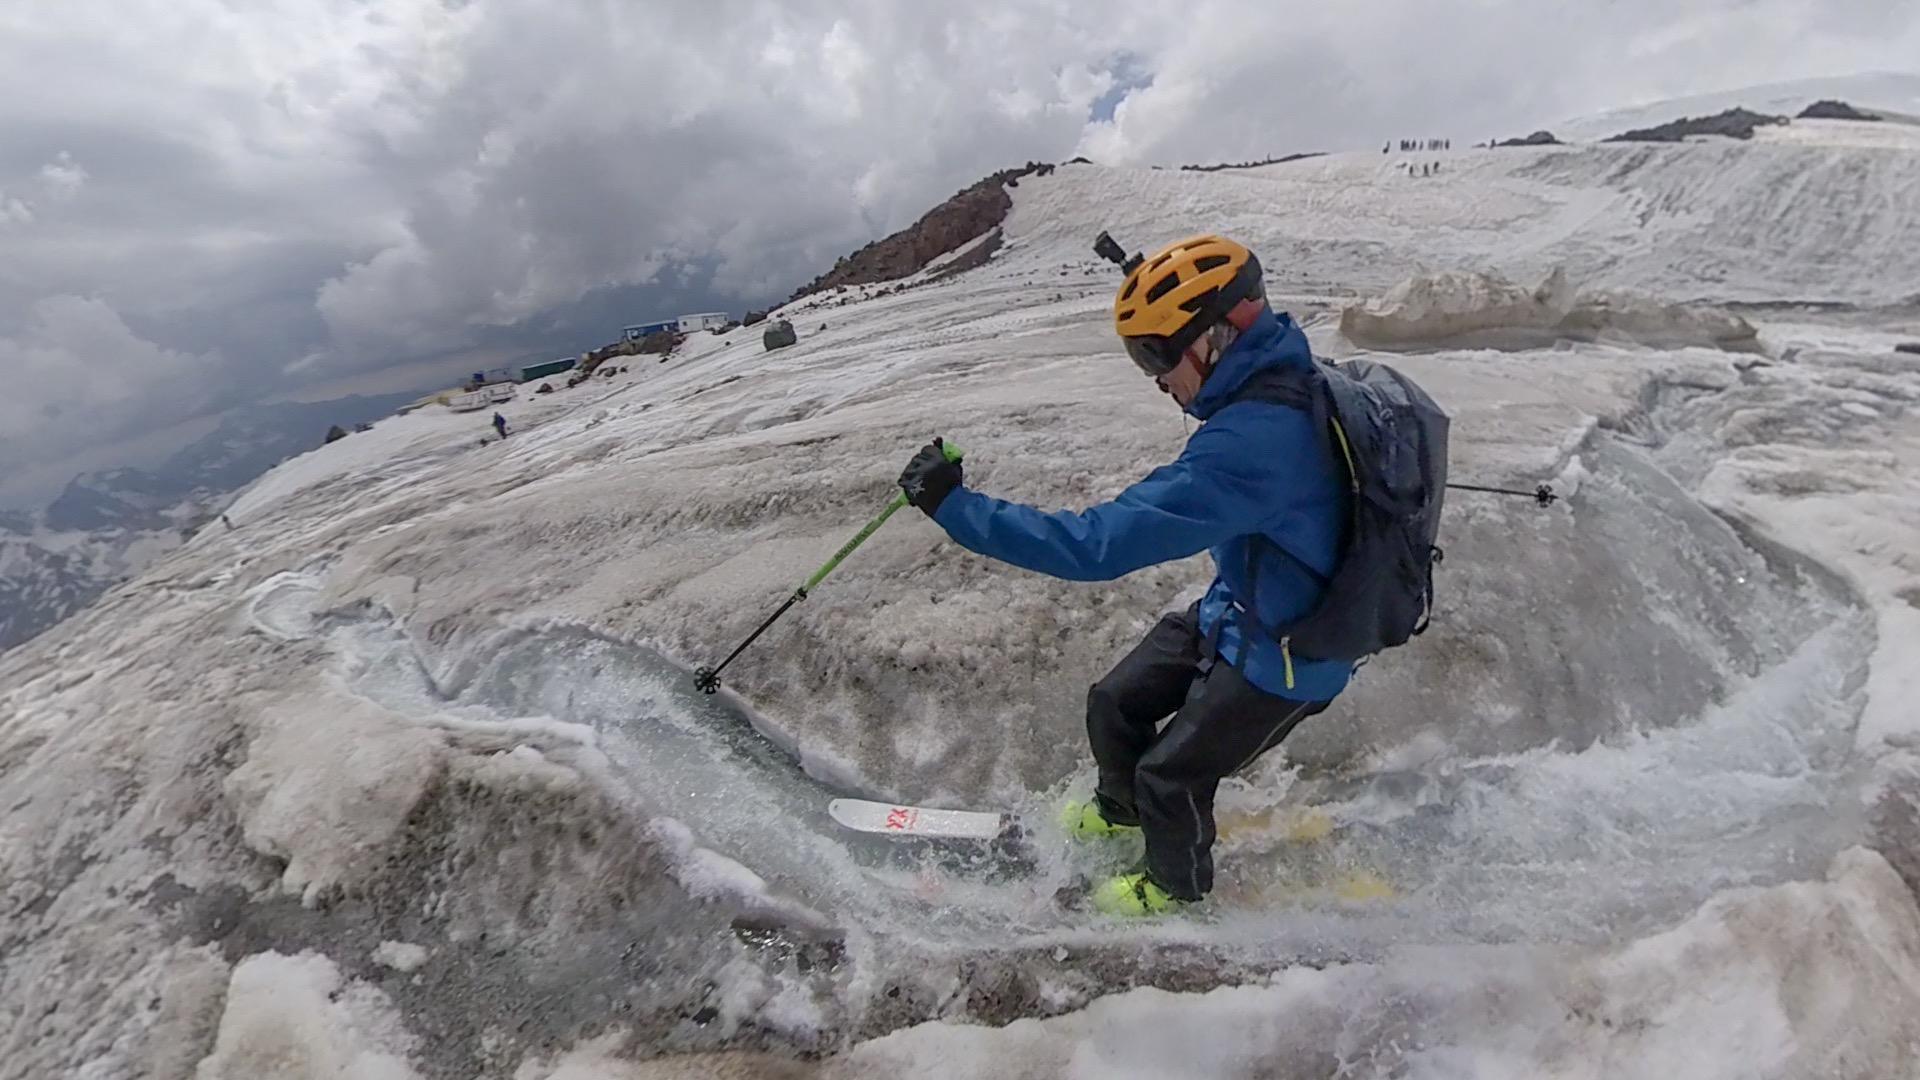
(1082, 820)
(1133, 896)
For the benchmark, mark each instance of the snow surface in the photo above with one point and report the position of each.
(1641, 803)
(1894, 92)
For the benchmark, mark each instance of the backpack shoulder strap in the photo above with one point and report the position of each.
(1296, 389)
(1280, 386)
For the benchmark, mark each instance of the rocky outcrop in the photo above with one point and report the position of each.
(1908, 347)
(1538, 138)
(1833, 110)
(1734, 124)
(967, 216)
(659, 343)
(975, 256)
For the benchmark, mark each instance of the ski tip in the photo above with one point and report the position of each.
(900, 820)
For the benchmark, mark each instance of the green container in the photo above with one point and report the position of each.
(551, 367)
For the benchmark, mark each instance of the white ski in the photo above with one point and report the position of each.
(877, 817)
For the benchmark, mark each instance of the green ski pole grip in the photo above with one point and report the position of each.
(846, 549)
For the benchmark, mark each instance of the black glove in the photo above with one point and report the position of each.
(930, 477)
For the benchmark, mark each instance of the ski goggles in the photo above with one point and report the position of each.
(1152, 354)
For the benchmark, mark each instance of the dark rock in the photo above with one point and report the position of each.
(1538, 138)
(1833, 110)
(1253, 164)
(976, 258)
(1734, 124)
(779, 334)
(752, 317)
(1908, 347)
(659, 343)
(967, 216)
(336, 433)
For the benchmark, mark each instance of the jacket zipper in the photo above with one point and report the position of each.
(1286, 658)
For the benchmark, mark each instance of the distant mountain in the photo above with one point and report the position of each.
(107, 525)
(113, 499)
(246, 444)
(249, 443)
(40, 587)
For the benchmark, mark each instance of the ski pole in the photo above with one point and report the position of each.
(1542, 495)
(708, 679)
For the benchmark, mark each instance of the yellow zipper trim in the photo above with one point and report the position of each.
(1353, 475)
(1286, 659)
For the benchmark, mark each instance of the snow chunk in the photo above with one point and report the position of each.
(706, 874)
(1621, 315)
(399, 955)
(1486, 309)
(328, 783)
(296, 1018)
(1802, 979)
(1566, 483)
(1434, 307)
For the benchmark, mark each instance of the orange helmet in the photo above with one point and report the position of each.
(1184, 289)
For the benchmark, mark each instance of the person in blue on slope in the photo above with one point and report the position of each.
(1258, 488)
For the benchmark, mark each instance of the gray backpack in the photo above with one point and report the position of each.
(1393, 440)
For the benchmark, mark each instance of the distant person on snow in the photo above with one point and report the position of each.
(500, 424)
(1259, 488)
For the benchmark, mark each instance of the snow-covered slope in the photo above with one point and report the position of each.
(406, 775)
(1893, 92)
(1716, 221)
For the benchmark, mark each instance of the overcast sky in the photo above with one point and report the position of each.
(204, 203)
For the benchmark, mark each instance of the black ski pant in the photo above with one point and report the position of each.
(1165, 779)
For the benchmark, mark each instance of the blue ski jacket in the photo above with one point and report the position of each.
(1253, 468)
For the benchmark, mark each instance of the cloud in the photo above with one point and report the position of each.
(78, 374)
(329, 187)
(1238, 81)
(63, 177)
(606, 145)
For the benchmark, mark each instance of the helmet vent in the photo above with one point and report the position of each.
(1208, 262)
(1162, 287)
(1132, 284)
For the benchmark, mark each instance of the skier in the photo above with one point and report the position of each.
(500, 424)
(1257, 485)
